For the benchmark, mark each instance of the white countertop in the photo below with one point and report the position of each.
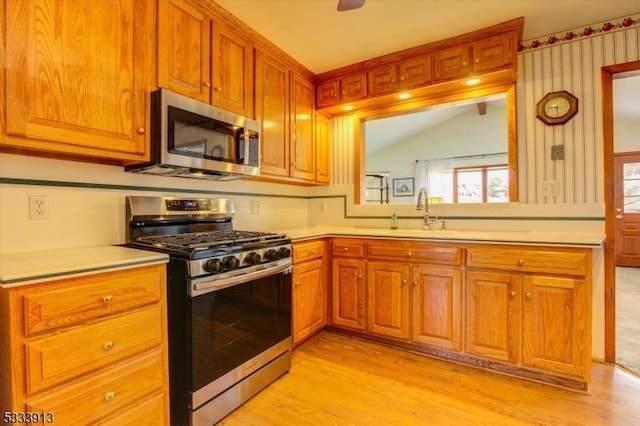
(570, 239)
(38, 266)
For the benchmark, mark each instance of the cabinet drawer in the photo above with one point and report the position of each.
(150, 412)
(72, 353)
(308, 250)
(107, 393)
(571, 262)
(415, 252)
(347, 248)
(77, 300)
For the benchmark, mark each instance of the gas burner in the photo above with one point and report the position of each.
(207, 240)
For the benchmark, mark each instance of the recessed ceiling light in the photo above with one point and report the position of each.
(348, 108)
(472, 81)
(404, 95)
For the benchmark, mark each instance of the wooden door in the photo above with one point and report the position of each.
(627, 204)
(184, 49)
(382, 79)
(451, 63)
(232, 69)
(347, 298)
(79, 76)
(272, 110)
(556, 317)
(323, 149)
(301, 112)
(437, 306)
(414, 72)
(309, 299)
(388, 299)
(493, 52)
(494, 315)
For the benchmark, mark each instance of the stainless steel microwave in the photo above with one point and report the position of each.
(190, 138)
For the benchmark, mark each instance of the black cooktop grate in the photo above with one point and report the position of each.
(211, 239)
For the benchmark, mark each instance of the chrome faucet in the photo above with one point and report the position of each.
(423, 202)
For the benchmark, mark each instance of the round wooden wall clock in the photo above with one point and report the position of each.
(557, 107)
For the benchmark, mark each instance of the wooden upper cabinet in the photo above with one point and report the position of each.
(451, 63)
(78, 76)
(328, 93)
(353, 87)
(302, 131)
(382, 79)
(184, 49)
(272, 110)
(493, 52)
(323, 149)
(232, 69)
(414, 72)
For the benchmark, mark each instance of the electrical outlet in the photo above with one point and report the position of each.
(38, 207)
(557, 152)
(549, 188)
(255, 207)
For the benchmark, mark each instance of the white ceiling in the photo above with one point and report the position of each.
(315, 34)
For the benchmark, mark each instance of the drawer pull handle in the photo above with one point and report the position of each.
(528, 295)
(108, 298)
(346, 249)
(109, 396)
(521, 262)
(312, 252)
(409, 254)
(108, 345)
(513, 294)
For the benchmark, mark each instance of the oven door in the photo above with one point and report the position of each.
(237, 329)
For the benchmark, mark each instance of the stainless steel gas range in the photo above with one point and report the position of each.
(228, 300)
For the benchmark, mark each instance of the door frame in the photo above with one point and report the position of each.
(607, 75)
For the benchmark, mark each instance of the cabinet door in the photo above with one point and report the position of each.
(437, 306)
(451, 63)
(309, 299)
(493, 52)
(272, 108)
(184, 49)
(353, 87)
(382, 79)
(347, 298)
(323, 147)
(327, 93)
(414, 71)
(494, 316)
(388, 299)
(232, 69)
(79, 76)
(301, 113)
(556, 314)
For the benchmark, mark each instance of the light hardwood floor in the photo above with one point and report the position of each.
(340, 380)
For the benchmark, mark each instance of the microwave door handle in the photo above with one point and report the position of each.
(247, 137)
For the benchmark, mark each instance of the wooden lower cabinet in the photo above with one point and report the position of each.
(347, 294)
(388, 299)
(309, 289)
(90, 349)
(436, 313)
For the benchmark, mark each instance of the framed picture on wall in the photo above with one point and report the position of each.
(403, 187)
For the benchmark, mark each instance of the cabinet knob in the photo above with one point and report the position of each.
(109, 396)
(402, 78)
(346, 249)
(415, 282)
(141, 130)
(409, 254)
(521, 262)
(108, 298)
(464, 64)
(218, 89)
(108, 345)
(207, 84)
(312, 252)
(404, 281)
(297, 283)
(359, 276)
(477, 60)
(528, 295)
(513, 294)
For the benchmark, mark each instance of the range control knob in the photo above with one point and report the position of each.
(230, 262)
(284, 252)
(213, 265)
(271, 255)
(253, 258)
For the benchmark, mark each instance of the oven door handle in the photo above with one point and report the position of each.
(208, 286)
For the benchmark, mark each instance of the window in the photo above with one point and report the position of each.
(483, 184)
(631, 187)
